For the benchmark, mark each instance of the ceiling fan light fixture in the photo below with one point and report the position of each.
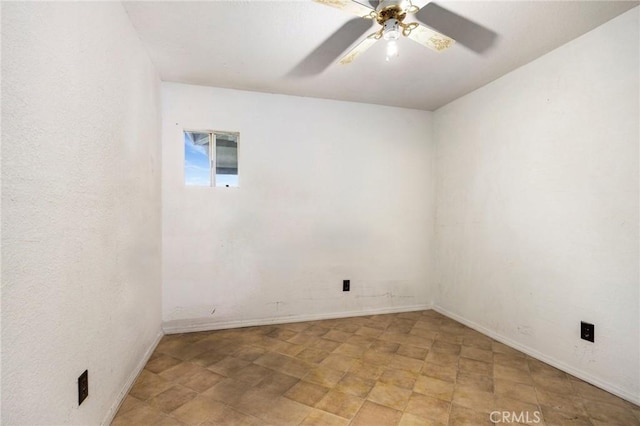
(392, 50)
(391, 29)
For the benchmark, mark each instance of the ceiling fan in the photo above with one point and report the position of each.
(433, 23)
(390, 14)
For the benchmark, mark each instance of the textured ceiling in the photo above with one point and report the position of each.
(260, 46)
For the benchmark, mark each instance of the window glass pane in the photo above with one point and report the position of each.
(197, 166)
(226, 159)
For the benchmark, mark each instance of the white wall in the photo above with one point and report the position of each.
(80, 209)
(328, 191)
(537, 206)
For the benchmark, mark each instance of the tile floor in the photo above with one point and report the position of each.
(414, 368)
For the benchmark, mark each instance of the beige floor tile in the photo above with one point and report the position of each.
(406, 368)
(129, 403)
(337, 336)
(512, 374)
(471, 366)
(561, 402)
(611, 414)
(429, 335)
(198, 410)
(322, 418)
(355, 385)
(340, 404)
(432, 409)
(227, 391)
(462, 416)
(474, 382)
(503, 403)
(593, 393)
(324, 344)
(350, 350)
(338, 362)
(284, 411)
(372, 414)
(519, 391)
(447, 373)
(554, 417)
(384, 346)
(404, 363)
(440, 346)
(231, 417)
(248, 353)
(369, 332)
(477, 354)
(252, 373)
(362, 341)
(296, 368)
(408, 419)
(513, 361)
(390, 396)
(148, 385)
(312, 355)
(254, 402)
(501, 348)
(172, 398)
(144, 415)
(306, 393)
(411, 351)
(401, 378)
(444, 359)
(277, 383)
(316, 330)
(208, 358)
(480, 342)
(366, 370)
(160, 362)
(433, 387)
(282, 333)
(228, 366)
(553, 384)
(478, 401)
(324, 376)
(301, 339)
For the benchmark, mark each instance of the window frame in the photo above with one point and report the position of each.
(213, 157)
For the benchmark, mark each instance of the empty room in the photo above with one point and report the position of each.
(320, 212)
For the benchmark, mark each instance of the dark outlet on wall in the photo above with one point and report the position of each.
(346, 285)
(83, 386)
(587, 331)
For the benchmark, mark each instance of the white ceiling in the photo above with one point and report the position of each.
(256, 45)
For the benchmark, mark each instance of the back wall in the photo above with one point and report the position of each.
(328, 191)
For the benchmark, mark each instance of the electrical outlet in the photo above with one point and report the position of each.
(83, 386)
(587, 331)
(346, 285)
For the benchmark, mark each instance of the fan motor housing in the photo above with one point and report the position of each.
(390, 12)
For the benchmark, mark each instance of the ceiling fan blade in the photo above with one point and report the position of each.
(467, 33)
(360, 48)
(325, 54)
(374, 3)
(348, 6)
(430, 38)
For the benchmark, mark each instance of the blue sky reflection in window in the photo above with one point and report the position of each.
(197, 166)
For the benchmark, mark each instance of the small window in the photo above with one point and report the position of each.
(211, 158)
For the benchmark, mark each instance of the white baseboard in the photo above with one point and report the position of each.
(185, 326)
(131, 379)
(629, 396)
